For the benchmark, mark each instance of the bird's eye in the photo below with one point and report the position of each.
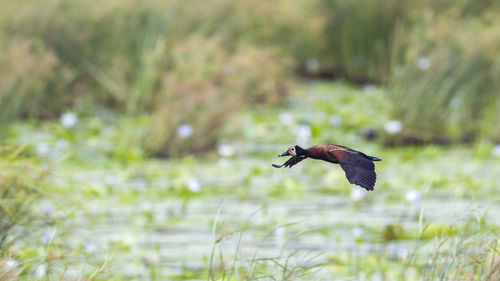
(293, 148)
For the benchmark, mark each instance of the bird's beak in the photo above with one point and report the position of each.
(284, 154)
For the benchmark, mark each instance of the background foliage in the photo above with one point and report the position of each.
(129, 119)
(439, 59)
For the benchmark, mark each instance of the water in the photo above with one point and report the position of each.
(154, 219)
(176, 236)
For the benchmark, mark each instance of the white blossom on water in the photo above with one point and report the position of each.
(69, 119)
(60, 147)
(194, 185)
(496, 150)
(40, 271)
(47, 237)
(90, 247)
(357, 194)
(312, 65)
(147, 205)
(416, 206)
(368, 87)
(402, 253)
(226, 150)
(61, 144)
(286, 118)
(280, 236)
(139, 184)
(184, 131)
(357, 232)
(335, 120)
(46, 209)
(423, 63)
(393, 126)
(413, 195)
(11, 263)
(111, 179)
(224, 162)
(43, 149)
(303, 133)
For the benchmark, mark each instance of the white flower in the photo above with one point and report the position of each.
(127, 239)
(60, 146)
(139, 184)
(403, 253)
(416, 206)
(303, 133)
(46, 209)
(286, 117)
(147, 205)
(47, 237)
(413, 195)
(312, 65)
(184, 131)
(226, 150)
(90, 247)
(357, 193)
(110, 179)
(69, 120)
(224, 162)
(40, 271)
(43, 149)
(279, 235)
(393, 126)
(11, 263)
(194, 185)
(496, 150)
(423, 63)
(368, 87)
(335, 120)
(357, 232)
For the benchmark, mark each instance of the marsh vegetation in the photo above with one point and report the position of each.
(138, 138)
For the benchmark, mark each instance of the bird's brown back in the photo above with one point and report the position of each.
(329, 152)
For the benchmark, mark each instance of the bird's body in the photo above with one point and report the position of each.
(358, 167)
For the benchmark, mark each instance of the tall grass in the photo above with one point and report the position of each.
(20, 188)
(290, 264)
(204, 87)
(445, 85)
(439, 59)
(195, 62)
(175, 61)
(360, 37)
(472, 252)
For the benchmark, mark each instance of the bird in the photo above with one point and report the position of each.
(358, 167)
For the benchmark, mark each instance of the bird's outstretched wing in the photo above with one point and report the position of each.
(359, 170)
(292, 161)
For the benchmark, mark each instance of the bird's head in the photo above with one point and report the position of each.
(293, 150)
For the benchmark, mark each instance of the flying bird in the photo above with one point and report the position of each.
(358, 167)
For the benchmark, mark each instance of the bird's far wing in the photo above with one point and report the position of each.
(292, 161)
(359, 170)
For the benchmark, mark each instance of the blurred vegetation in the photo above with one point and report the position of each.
(20, 182)
(360, 36)
(180, 62)
(105, 199)
(104, 85)
(445, 86)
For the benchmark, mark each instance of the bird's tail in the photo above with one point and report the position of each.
(373, 158)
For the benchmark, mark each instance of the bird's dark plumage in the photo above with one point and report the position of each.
(358, 167)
